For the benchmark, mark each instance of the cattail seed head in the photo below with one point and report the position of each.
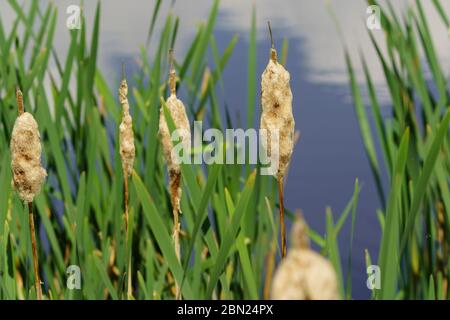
(276, 116)
(126, 136)
(299, 233)
(181, 121)
(178, 113)
(304, 274)
(28, 174)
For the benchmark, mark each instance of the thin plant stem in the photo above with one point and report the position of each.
(282, 225)
(176, 240)
(34, 250)
(125, 154)
(273, 52)
(128, 247)
(270, 264)
(19, 98)
(172, 74)
(176, 213)
(129, 286)
(271, 36)
(125, 200)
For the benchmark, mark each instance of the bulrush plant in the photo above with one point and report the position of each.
(178, 114)
(28, 174)
(127, 155)
(304, 274)
(277, 118)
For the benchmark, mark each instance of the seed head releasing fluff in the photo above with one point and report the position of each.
(181, 121)
(277, 118)
(28, 174)
(178, 114)
(276, 103)
(127, 149)
(304, 274)
(127, 154)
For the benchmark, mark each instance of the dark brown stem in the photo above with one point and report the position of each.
(174, 184)
(172, 74)
(19, 98)
(35, 256)
(283, 227)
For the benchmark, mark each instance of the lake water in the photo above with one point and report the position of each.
(330, 155)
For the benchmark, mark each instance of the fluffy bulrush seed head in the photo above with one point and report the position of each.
(181, 122)
(276, 102)
(28, 174)
(127, 149)
(304, 274)
(180, 119)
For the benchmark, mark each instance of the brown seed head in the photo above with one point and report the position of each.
(276, 102)
(304, 274)
(28, 174)
(126, 136)
(299, 233)
(180, 119)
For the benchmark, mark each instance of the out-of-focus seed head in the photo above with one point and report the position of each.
(28, 174)
(304, 274)
(299, 233)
